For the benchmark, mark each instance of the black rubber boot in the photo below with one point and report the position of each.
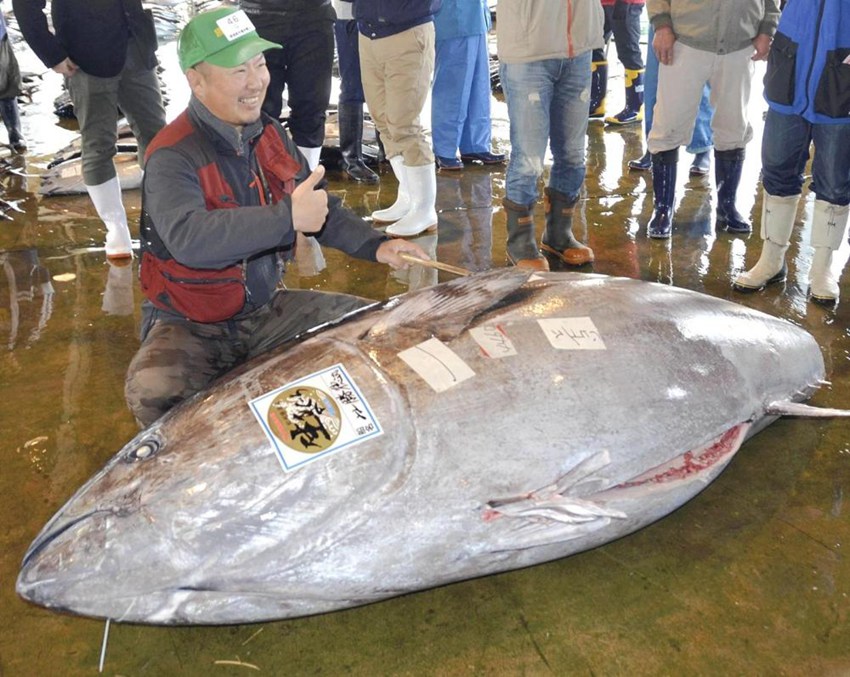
(727, 175)
(522, 240)
(12, 120)
(350, 143)
(664, 193)
(558, 238)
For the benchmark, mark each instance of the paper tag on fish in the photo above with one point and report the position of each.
(438, 366)
(314, 417)
(572, 333)
(493, 341)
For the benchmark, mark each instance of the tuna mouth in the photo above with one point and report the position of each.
(49, 536)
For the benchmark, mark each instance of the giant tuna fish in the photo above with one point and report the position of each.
(485, 424)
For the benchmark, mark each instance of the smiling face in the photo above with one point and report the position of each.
(234, 95)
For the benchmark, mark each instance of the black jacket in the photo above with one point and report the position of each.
(93, 33)
(277, 19)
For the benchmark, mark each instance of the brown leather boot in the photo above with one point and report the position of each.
(558, 239)
(522, 240)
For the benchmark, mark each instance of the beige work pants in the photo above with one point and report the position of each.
(680, 88)
(396, 72)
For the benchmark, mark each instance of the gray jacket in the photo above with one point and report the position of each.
(534, 30)
(717, 26)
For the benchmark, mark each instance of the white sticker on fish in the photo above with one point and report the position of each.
(493, 341)
(572, 333)
(438, 366)
(314, 417)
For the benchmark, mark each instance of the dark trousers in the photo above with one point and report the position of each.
(303, 68)
(350, 88)
(179, 358)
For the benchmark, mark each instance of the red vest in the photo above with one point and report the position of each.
(201, 294)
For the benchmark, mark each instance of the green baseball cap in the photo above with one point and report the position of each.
(223, 37)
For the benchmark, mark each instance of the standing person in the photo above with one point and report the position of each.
(544, 55)
(351, 97)
(396, 65)
(622, 19)
(807, 92)
(460, 97)
(702, 140)
(302, 65)
(717, 42)
(106, 49)
(10, 89)
(226, 191)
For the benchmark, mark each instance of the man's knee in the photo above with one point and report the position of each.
(171, 365)
(150, 392)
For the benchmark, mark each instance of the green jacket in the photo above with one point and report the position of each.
(717, 26)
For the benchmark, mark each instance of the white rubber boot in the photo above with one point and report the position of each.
(312, 155)
(309, 257)
(402, 202)
(829, 225)
(107, 202)
(422, 188)
(118, 295)
(777, 223)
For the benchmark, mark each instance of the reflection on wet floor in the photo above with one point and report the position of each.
(748, 578)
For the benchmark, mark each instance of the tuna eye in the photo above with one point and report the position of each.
(143, 450)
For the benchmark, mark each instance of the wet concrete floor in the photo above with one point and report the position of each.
(749, 578)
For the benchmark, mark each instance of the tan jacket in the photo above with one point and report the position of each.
(534, 30)
(717, 26)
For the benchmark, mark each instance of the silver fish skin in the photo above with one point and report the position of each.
(538, 455)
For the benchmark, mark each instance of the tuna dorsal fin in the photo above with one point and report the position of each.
(444, 310)
(788, 408)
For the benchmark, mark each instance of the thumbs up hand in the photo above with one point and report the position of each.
(310, 206)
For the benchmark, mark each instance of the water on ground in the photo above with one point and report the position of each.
(749, 578)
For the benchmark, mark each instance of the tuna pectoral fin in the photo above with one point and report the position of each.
(558, 519)
(555, 513)
(788, 408)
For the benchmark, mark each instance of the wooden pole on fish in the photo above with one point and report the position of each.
(429, 263)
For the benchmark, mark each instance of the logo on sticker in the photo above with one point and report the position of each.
(315, 416)
(304, 419)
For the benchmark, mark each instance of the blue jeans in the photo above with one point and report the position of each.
(702, 139)
(547, 101)
(785, 151)
(624, 20)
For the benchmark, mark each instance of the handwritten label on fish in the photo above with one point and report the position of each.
(438, 366)
(314, 417)
(493, 341)
(572, 333)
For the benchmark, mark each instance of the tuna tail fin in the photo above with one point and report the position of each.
(445, 310)
(788, 408)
